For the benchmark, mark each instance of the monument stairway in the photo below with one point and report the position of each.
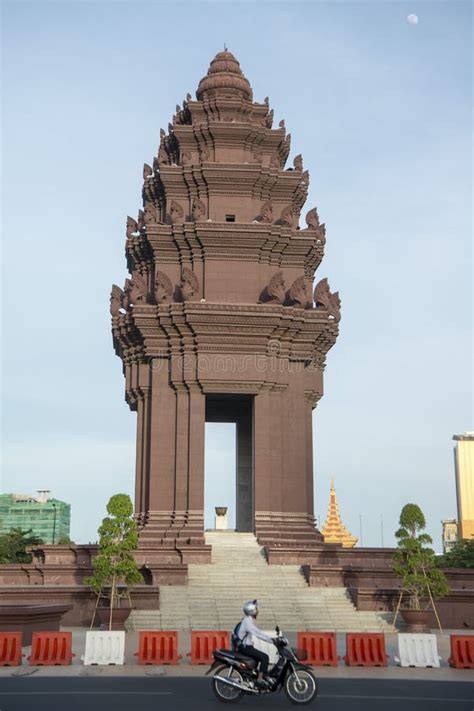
(215, 593)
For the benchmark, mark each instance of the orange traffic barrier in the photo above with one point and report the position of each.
(204, 643)
(10, 649)
(51, 648)
(158, 648)
(462, 651)
(320, 647)
(365, 650)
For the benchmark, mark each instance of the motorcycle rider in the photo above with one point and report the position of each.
(247, 631)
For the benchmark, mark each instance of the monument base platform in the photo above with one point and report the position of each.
(57, 572)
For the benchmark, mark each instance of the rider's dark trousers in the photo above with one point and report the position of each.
(261, 657)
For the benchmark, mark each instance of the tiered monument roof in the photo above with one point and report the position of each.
(220, 227)
(224, 76)
(334, 530)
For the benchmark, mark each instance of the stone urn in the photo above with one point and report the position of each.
(416, 620)
(119, 616)
(221, 518)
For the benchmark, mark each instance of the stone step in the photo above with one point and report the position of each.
(215, 593)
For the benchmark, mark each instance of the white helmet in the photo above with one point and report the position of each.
(250, 608)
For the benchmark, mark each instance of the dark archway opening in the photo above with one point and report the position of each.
(238, 409)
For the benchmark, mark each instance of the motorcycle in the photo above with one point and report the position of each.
(234, 675)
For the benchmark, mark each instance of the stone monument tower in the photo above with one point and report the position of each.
(218, 322)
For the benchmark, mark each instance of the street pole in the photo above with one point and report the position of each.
(54, 523)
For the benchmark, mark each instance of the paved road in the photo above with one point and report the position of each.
(187, 694)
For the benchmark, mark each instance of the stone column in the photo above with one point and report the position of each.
(182, 452)
(244, 520)
(140, 474)
(309, 455)
(294, 484)
(141, 380)
(277, 452)
(189, 442)
(138, 462)
(263, 449)
(197, 419)
(145, 456)
(162, 444)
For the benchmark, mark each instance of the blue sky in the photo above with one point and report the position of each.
(380, 110)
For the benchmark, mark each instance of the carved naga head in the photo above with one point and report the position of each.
(137, 289)
(198, 210)
(116, 300)
(163, 288)
(176, 212)
(299, 293)
(132, 227)
(276, 288)
(189, 285)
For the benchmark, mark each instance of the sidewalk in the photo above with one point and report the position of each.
(184, 668)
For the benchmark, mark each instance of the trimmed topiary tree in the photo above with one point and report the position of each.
(114, 566)
(415, 562)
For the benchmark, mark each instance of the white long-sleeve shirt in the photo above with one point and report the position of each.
(248, 630)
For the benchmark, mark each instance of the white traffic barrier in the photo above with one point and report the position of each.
(417, 650)
(267, 647)
(104, 648)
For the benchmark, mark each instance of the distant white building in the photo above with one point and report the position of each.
(450, 533)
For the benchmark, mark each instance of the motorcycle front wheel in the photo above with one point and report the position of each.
(224, 692)
(301, 687)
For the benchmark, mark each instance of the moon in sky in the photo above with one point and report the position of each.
(412, 19)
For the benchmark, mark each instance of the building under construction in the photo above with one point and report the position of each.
(48, 518)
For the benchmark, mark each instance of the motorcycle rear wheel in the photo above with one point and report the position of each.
(225, 693)
(301, 687)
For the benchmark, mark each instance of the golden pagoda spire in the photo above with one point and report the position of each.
(334, 530)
